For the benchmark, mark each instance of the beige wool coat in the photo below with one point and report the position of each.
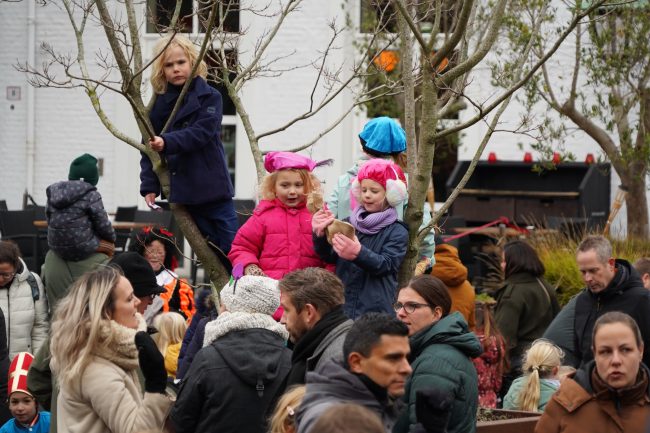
(108, 398)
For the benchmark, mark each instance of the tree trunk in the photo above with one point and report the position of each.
(419, 180)
(208, 258)
(637, 206)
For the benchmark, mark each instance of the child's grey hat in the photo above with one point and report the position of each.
(251, 294)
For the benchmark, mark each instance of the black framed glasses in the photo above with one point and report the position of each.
(409, 307)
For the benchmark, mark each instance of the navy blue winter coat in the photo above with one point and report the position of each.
(193, 149)
(193, 346)
(371, 279)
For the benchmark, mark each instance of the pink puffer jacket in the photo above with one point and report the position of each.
(276, 238)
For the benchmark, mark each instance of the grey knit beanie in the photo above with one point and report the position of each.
(251, 294)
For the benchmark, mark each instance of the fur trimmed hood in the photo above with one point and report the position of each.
(227, 322)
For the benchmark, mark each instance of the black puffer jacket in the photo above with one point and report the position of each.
(624, 293)
(76, 219)
(232, 383)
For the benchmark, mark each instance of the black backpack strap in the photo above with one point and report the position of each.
(36, 293)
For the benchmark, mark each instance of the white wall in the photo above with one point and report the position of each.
(13, 114)
(65, 124)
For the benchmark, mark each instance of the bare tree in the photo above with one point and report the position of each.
(472, 29)
(605, 93)
(122, 69)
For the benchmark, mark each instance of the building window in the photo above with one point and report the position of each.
(212, 58)
(161, 11)
(228, 126)
(231, 10)
(229, 140)
(377, 14)
(381, 15)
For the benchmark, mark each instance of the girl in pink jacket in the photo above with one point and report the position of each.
(277, 238)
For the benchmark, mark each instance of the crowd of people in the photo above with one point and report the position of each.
(312, 334)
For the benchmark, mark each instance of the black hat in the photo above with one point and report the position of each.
(139, 273)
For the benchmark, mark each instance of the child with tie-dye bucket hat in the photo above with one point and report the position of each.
(368, 264)
(22, 404)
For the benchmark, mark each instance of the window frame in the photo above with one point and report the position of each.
(196, 24)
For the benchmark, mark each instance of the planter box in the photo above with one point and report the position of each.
(517, 422)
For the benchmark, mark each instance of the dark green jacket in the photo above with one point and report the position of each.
(526, 305)
(58, 274)
(440, 358)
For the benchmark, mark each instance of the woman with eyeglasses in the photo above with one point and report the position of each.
(23, 301)
(610, 394)
(441, 350)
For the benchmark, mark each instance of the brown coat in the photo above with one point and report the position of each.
(574, 409)
(453, 273)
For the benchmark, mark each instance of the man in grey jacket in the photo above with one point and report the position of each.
(372, 373)
(312, 300)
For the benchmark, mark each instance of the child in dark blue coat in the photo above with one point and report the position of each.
(191, 146)
(369, 263)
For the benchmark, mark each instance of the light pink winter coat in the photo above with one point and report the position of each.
(276, 238)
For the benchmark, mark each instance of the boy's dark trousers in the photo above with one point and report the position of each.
(218, 223)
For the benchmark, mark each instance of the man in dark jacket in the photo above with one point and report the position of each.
(612, 285)
(313, 300)
(372, 374)
(235, 377)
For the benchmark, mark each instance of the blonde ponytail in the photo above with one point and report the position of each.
(539, 362)
(529, 398)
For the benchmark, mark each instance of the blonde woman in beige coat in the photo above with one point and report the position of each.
(97, 345)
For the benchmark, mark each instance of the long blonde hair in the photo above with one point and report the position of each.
(539, 362)
(284, 415)
(267, 189)
(158, 80)
(77, 322)
(171, 330)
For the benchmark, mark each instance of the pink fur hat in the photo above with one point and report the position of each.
(381, 171)
(386, 173)
(274, 161)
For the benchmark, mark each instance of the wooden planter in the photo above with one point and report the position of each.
(517, 422)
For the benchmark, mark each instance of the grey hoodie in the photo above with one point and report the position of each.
(331, 384)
